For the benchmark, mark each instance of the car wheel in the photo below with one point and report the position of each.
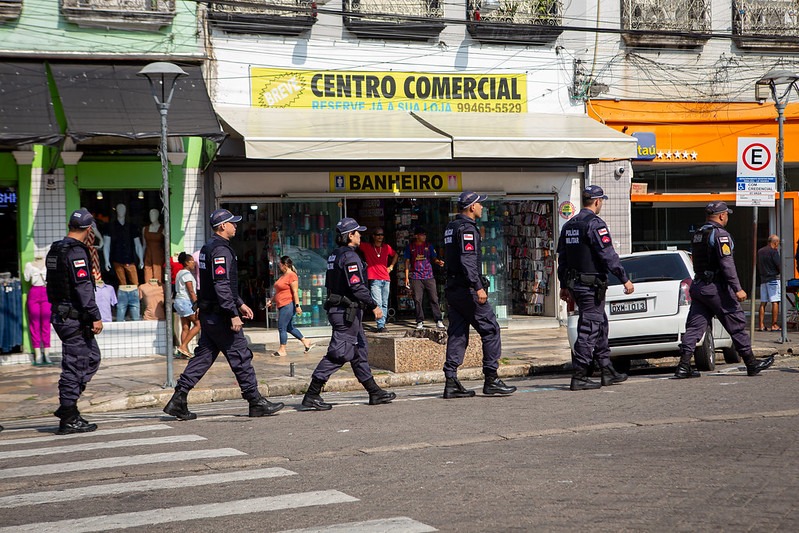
(731, 355)
(705, 354)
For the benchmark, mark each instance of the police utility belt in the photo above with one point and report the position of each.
(708, 276)
(67, 311)
(590, 280)
(210, 307)
(337, 300)
(464, 282)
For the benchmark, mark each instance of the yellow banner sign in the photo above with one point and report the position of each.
(388, 182)
(379, 91)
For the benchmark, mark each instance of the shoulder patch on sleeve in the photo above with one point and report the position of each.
(603, 236)
(220, 267)
(725, 249)
(468, 243)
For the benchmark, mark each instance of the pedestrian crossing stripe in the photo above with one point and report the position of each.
(98, 433)
(399, 524)
(185, 513)
(112, 489)
(117, 462)
(90, 446)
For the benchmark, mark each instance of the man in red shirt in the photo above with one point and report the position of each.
(378, 267)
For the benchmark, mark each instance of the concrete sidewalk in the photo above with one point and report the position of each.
(28, 391)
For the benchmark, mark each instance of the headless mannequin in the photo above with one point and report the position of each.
(152, 300)
(154, 254)
(120, 255)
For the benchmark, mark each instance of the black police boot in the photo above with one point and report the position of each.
(376, 394)
(580, 380)
(178, 406)
(454, 389)
(71, 421)
(754, 366)
(313, 398)
(263, 407)
(610, 376)
(493, 385)
(684, 371)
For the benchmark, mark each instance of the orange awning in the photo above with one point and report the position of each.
(698, 132)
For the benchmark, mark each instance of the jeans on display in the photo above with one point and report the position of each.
(380, 289)
(128, 301)
(285, 324)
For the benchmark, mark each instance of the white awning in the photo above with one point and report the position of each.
(337, 135)
(530, 136)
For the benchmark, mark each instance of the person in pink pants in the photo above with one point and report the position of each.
(38, 312)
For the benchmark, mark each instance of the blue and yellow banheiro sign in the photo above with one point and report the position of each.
(387, 91)
(395, 182)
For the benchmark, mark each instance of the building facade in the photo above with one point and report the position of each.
(81, 129)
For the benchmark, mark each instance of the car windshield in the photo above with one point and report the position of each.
(658, 267)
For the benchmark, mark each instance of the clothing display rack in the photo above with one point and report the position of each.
(10, 313)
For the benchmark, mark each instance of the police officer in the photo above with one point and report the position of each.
(221, 313)
(717, 292)
(585, 256)
(347, 296)
(75, 318)
(468, 301)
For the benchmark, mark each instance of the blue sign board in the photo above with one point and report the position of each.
(647, 146)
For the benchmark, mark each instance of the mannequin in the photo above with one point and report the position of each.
(122, 247)
(105, 297)
(153, 239)
(38, 310)
(128, 300)
(152, 298)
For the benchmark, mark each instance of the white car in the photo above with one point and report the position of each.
(650, 322)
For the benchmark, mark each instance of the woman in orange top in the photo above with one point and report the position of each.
(287, 301)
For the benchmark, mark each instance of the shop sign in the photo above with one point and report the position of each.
(8, 198)
(399, 182)
(647, 146)
(387, 91)
(566, 210)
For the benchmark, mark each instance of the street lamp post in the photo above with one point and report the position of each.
(780, 83)
(162, 77)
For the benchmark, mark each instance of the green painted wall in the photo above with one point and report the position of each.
(41, 29)
(8, 169)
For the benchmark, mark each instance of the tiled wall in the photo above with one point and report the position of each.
(49, 209)
(194, 212)
(616, 209)
(127, 339)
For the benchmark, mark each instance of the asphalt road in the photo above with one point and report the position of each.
(652, 454)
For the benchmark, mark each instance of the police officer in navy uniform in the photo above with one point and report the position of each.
(716, 291)
(75, 318)
(585, 256)
(347, 296)
(467, 299)
(221, 313)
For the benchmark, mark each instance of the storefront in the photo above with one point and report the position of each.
(686, 157)
(109, 163)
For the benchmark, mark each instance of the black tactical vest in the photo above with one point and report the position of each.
(453, 243)
(704, 256)
(58, 270)
(206, 266)
(336, 278)
(579, 255)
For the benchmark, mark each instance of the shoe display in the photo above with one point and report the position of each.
(420, 325)
(440, 324)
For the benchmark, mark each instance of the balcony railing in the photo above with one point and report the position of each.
(280, 17)
(147, 15)
(766, 23)
(394, 19)
(10, 9)
(669, 23)
(530, 21)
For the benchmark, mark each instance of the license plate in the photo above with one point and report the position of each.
(628, 306)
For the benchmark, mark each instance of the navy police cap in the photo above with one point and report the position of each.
(220, 216)
(347, 224)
